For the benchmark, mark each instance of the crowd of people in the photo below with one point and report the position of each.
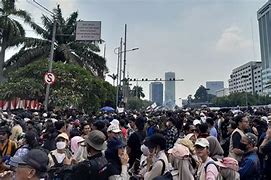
(185, 145)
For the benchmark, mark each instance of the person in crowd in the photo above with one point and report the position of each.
(135, 141)
(30, 141)
(85, 129)
(113, 131)
(32, 166)
(225, 143)
(132, 126)
(7, 147)
(61, 126)
(207, 169)
(235, 150)
(157, 161)
(171, 133)
(123, 129)
(61, 152)
(215, 149)
(16, 130)
(181, 159)
(58, 156)
(117, 157)
(75, 143)
(250, 164)
(203, 130)
(265, 150)
(95, 166)
(50, 134)
(211, 126)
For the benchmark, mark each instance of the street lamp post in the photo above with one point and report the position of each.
(119, 70)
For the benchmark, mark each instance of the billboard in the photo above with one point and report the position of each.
(88, 30)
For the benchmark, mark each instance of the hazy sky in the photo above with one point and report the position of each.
(200, 40)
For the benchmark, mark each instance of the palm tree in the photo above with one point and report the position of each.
(12, 32)
(67, 49)
(137, 91)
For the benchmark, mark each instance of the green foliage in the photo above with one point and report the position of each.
(239, 99)
(135, 103)
(67, 49)
(74, 86)
(201, 94)
(137, 91)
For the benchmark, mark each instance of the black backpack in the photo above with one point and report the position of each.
(55, 172)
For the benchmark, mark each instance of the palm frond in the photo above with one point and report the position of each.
(47, 22)
(23, 14)
(8, 6)
(39, 30)
(24, 57)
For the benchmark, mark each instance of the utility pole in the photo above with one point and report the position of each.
(50, 66)
(125, 83)
(51, 58)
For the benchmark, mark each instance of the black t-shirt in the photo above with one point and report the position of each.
(236, 140)
(94, 168)
(134, 143)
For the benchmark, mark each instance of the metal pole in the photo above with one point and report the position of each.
(246, 95)
(117, 92)
(124, 57)
(50, 65)
(125, 89)
(120, 59)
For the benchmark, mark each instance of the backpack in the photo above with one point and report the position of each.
(228, 166)
(168, 175)
(55, 172)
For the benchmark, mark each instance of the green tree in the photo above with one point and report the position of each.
(74, 86)
(137, 91)
(67, 49)
(12, 32)
(201, 94)
(135, 103)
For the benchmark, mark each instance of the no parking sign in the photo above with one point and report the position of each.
(49, 78)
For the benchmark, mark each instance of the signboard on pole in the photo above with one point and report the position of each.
(49, 78)
(88, 30)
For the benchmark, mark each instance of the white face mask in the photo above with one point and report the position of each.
(61, 145)
(145, 150)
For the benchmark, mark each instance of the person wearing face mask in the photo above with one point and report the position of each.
(58, 156)
(157, 161)
(235, 150)
(250, 164)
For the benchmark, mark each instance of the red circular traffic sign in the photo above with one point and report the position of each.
(49, 78)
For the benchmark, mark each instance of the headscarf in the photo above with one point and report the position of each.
(215, 148)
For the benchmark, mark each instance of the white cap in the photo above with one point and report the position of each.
(44, 115)
(115, 122)
(114, 128)
(196, 122)
(203, 142)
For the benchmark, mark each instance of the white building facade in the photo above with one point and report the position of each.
(247, 78)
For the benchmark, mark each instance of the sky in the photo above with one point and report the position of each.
(199, 40)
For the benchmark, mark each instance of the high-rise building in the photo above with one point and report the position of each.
(246, 78)
(213, 86)
(264, 19)
(170, 87)
(156, 92)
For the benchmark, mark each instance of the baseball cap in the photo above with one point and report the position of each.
(63, 135)
(203, 142)
(252, 138)
(179, 151)
(35, 158)
(96, 139)
(114, 128)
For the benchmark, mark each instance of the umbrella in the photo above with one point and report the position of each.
(107, 109)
